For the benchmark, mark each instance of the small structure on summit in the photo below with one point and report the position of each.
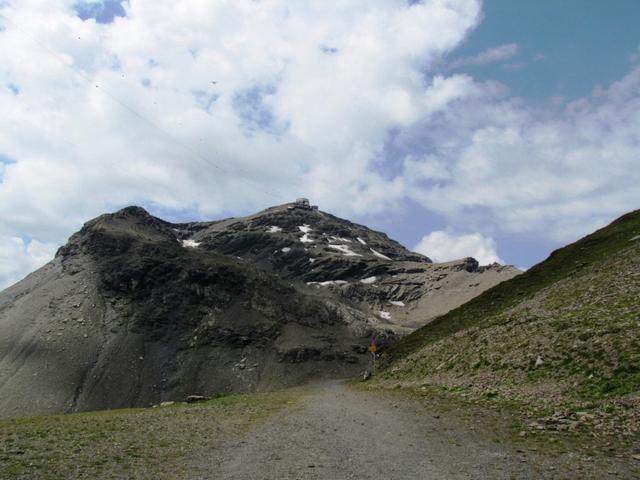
(304, 204)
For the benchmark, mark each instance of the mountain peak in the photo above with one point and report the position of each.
(133, 211)
(157, 310)
(307, 234)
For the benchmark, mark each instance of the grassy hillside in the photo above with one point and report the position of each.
(154, 443)
(563, 334)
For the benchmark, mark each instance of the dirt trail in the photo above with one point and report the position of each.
(342, 433)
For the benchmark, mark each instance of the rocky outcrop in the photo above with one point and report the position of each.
(366, 269)
(136, 311)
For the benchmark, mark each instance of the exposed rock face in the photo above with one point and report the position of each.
(135, 310)
(348, 261)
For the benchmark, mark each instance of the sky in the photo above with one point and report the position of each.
(500, 129)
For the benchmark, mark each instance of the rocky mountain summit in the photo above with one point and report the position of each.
(134, 310)
(400, 289)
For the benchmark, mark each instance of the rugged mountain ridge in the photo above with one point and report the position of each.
(135, 310)
(402, 289)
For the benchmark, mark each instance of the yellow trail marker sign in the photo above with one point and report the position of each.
(373, 348)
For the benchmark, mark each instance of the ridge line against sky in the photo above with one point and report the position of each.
(499, 130)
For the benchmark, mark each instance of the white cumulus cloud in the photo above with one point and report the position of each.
(443, 246)
(19, 257)
(496, 54)
(207, 107)
(557, 173)
(213, 106)
(201, 108)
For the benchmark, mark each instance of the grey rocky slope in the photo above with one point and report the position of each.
(398, 289)
(135, 310)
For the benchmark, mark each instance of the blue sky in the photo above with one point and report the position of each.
(584, 43)
(101, 11)
(565, 49)
(4, 160)
(497, 129)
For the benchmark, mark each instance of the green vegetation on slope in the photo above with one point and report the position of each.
(154, 443)
(561, 337)
(562, 263)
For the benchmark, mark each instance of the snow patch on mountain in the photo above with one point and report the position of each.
(333, 238)
(328, 282)
(345, 250)
(190, 243)
(368, 280)
(379, 255)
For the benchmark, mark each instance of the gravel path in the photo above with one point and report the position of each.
(339, 433)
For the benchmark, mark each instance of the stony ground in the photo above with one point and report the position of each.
(328, 430)
(342, 432)
(560, 341)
